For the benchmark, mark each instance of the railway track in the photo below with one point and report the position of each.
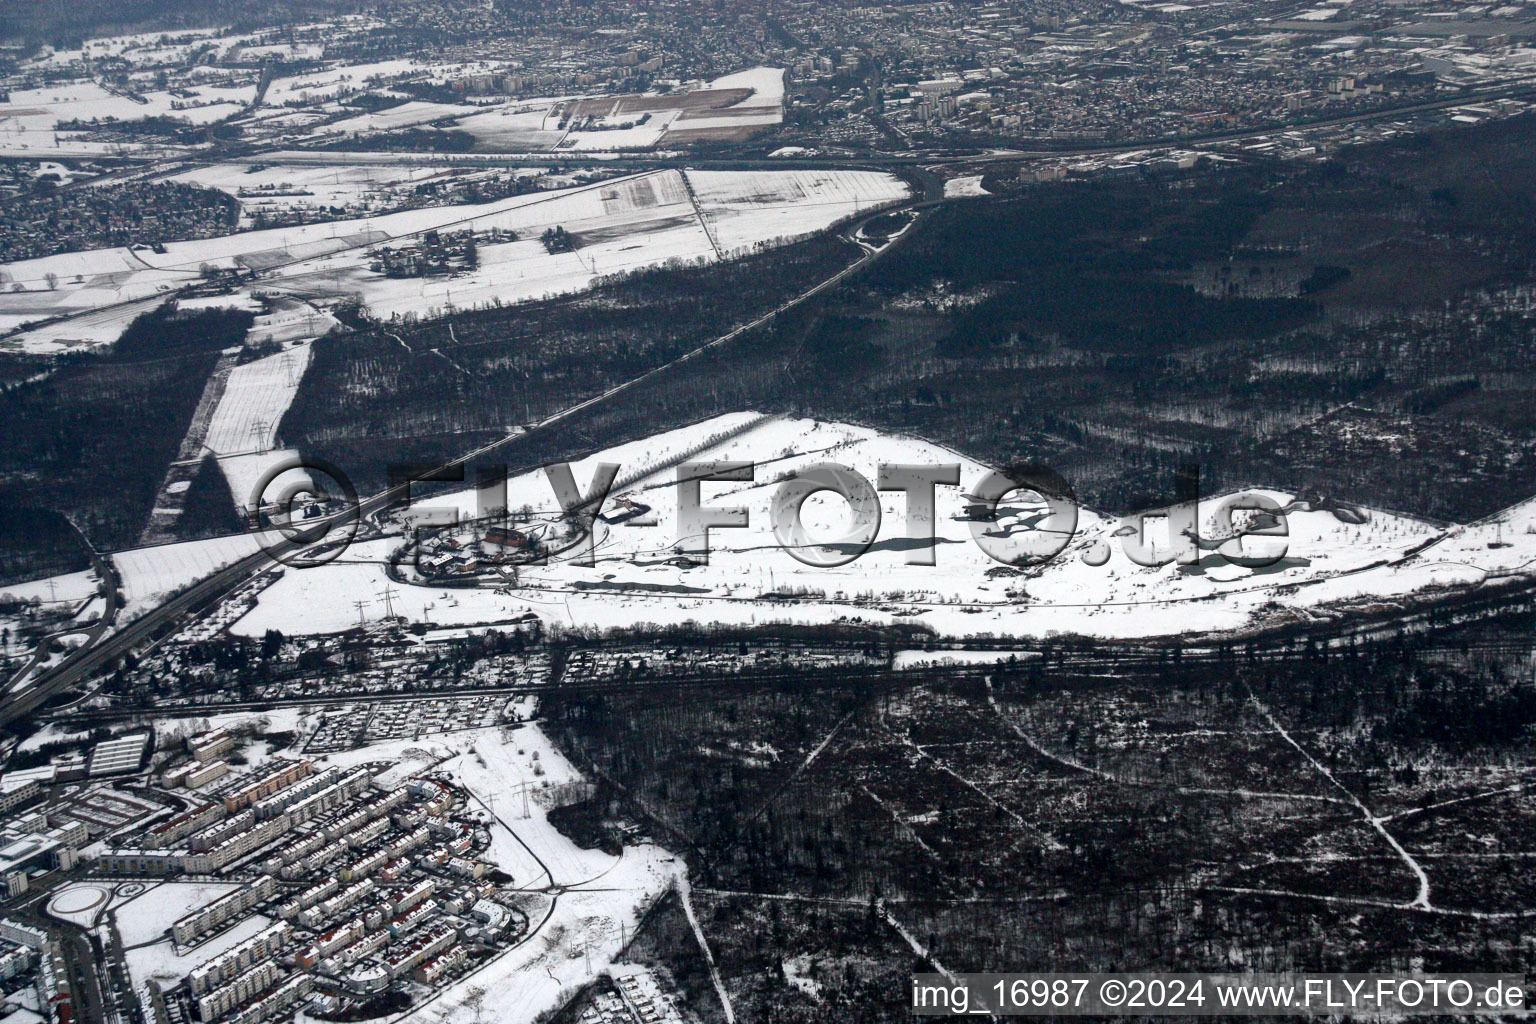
(1144, 661)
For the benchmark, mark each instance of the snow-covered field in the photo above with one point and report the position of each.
(765, 107)
(70, 588)
(152, 574)
(749, 579)
(767, 85)
(515, 127)
(244, 426)
(611, 133)
(621, 225)
(340, 80)
(403, 116)
(50, 733)
(1329, 558)
(83, 331)
(255, 398)
(290, 320)
(28, 121)
(741, 212)
(964, 188)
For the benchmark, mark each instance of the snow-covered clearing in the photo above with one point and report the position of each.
(749, 578)
(610, 133)
(86, 331)
(763, 108)
(244, 426)
(340, 80)
(170, 731)
(962, 188)
(50, 733)
(525, 127)
(290, 320)
(770, 204)
(766, 83)
(69, 588)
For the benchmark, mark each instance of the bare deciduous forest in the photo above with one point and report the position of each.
(1197, 818)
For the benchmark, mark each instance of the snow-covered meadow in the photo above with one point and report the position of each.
(1093, 587)
(152, 574)
(318, 86)
(29, 121)
(968, 187)
(70, 588)
(243, 429)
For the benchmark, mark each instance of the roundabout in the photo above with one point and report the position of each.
(79, 904)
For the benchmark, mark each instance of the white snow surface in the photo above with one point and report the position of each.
(339, 80)
(966, 187)
(635, 580)
(153, 574)
(69, 588)
(406, 114)
(243, 430)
